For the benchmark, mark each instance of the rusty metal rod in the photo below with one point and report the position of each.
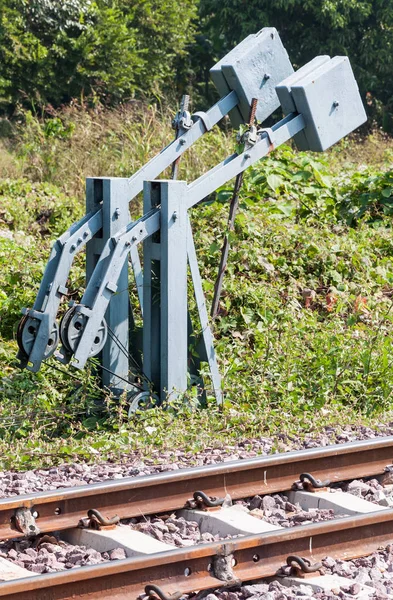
(133, 496)
(188, 569)
(234, 205)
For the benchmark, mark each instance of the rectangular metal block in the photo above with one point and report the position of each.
(255, 71)
(329, 100)
(283, 91)
(220, 81)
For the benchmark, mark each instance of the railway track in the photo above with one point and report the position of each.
(250, 552)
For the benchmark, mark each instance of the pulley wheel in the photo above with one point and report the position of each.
(71, 329)
(141, 401)
(27, 333)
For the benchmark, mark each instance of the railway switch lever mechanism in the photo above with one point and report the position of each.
(320, 103)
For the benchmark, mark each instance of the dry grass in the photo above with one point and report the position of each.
(101, 142)
(79, 142)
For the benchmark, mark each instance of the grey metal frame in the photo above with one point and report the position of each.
(53, 284)
(326, 104)
(165, 359)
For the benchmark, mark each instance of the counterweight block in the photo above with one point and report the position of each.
(329, 100)
(252, 70)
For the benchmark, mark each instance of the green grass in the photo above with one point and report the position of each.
(304, 336)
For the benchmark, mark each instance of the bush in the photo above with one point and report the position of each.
(53, 51)
(362, 30)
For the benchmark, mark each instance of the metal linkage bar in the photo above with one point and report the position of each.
(207, 336)
(34, 347)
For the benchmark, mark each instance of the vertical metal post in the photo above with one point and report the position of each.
(94, 247)
(174, 314)
(114, 195)
(151, 292)
(165, 332)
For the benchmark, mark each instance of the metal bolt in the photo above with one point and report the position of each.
(267, 76)
(79, 240)
(182, 141)
(134, 238)
(127, 244)
(336, 103)
(73, 247)
(117, 213)
(175, 215)
(86, 234)
(246, 156)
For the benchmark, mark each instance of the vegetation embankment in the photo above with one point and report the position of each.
(305, 332)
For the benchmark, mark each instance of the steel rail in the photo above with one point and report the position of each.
(134, 496)
(191, 569)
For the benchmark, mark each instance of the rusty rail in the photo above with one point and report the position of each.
(189, 569)
(62, 509)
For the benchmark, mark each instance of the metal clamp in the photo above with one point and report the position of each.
(24, 522)
(203, 500)
(270, 135)
(183, 120)
(154, 591)
(249, 137)
(204, 117)
(96, 520)
(309, 483)
(302, 565)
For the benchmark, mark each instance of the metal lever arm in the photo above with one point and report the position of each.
(234, 164)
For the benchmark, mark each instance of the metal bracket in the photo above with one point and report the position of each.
(270, 135)
(24, 522)
(204, 117)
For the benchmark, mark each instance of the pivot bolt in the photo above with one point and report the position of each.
(182, 141)
(336, 104)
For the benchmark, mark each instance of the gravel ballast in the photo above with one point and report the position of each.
(134, 464)
(375, 571)
(49, 554)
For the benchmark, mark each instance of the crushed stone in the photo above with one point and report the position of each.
(134, 464)
(49, 554)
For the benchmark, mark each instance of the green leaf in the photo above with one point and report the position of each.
(274, 181)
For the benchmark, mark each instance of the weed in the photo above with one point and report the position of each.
(304, 332)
